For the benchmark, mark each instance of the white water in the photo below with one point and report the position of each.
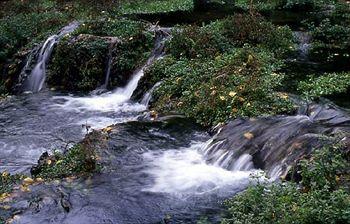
(148, 95)
(110, 101)
(186, 171)
(36, 79)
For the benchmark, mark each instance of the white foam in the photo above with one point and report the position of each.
(185, 171)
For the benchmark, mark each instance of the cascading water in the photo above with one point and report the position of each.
(148, 95)
(273, 144)
(304, 39)
(36, 79)
(117, 99)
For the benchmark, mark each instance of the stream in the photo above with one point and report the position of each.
(154, 172)
(165, 171)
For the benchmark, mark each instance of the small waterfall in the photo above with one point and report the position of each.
(104, 87)
(274, 144)
(116, 100)
(148, 95)
(303, 39)
(108, 70)
(36, 79)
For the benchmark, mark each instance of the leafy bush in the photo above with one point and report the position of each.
(80, 60)
(325, 85)
(113, 27)
(331, 43)
(77, 160)
(235, 31)
(78, 65)
(214, 90)
(320, 199)
(155, 6)
(8, 181)
(299, 5)
(23, 29)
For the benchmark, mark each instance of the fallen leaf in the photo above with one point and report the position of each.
(248, 135)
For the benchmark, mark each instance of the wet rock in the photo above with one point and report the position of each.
(275, 144)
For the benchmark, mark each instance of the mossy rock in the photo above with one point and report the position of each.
(79, 63)
(81, 159)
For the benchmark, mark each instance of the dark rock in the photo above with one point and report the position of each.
(275, 144)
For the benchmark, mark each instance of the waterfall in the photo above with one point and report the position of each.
(36, 78)
(303, 39)
(116, 99)
(274, 144)
(148, 95)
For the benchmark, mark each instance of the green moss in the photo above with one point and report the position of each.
(80, 60)
(321, 198)
(78, 65)
(77, 160)
(325, 85)
(155, 6)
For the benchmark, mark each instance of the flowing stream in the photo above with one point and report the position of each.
(155, 172)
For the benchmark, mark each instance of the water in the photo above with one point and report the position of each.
(36, 79)
(148, 95)
(304, 39)
(153, 172)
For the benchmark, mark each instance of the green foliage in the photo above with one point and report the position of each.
(7, 182)
(325, 85)
(155, 6)
(76, 161)
(25, 29)
(113, 27)
(321, 198)
(78, 65)
(235, 31)
(331, 42)
(215, 90)
(223, 70)
(80, 60)
(268, 5)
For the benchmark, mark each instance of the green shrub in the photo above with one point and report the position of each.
(76, 161)
(78, 65)
(79, 61)
(155, 6)
(7, 182)
(299, 5)
(320, 199)
(113, 27)
(215, 90)
(325, 85)
(235, 31)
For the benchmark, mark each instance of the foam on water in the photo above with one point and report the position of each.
(186, 171)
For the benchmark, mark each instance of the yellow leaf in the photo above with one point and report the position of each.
(39, 179)
(222, 98)
(232, 94)
(5, 174)
(248, 135)
(107, 129)
(28, 181)
(49, 162)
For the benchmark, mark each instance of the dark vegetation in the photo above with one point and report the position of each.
(321, 195)
(240, 66)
